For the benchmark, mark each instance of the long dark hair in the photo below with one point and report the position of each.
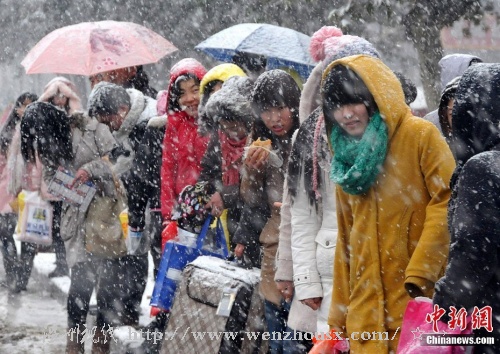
(275, 88)
(8, 131)
(302, 159)
(46, 131)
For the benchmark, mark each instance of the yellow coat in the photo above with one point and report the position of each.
(396, 233)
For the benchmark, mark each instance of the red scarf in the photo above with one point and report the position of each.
(232, 153)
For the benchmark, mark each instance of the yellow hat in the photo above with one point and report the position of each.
(220, 72)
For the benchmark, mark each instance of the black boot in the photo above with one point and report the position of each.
(60, 271)
(155, 330)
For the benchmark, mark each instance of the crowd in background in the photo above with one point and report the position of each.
(348, 211)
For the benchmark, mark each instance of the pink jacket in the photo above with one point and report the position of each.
(5, 197)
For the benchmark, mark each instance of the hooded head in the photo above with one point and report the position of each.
(454, 65)
(475, 118)
(342, 86)
(62, 93)
(214, 77)
(447, 95)
(46, 130)
(275, 89)
(187, 67)
(374, 84)
(109, 104)
(232, 102)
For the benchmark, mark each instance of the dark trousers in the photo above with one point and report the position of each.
(57, 241)
(134, 272)
(104, 274)
(155, 230)
(9, 251)
(28, 253)
(276, 317)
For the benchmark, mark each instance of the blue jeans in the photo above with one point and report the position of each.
(276, 318)
(299, 343)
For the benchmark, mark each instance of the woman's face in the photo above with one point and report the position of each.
(353, 118)
(189, 97)
(22, 107)
(449, 110)
(234, 130)
(278, 120)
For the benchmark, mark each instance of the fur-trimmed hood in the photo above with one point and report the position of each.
(158, 122)
(232, 101)
(142, 109)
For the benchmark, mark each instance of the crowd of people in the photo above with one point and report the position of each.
(354, 207)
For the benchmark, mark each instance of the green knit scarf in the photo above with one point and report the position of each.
(357, 162)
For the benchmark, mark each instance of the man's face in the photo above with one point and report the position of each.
(114, 121)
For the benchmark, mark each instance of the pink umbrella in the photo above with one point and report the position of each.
(89, 48)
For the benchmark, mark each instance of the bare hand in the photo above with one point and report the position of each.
(216, 204)
(286, 289)
(239, 250)
(256, 158)
(81, 177)
(313, 303)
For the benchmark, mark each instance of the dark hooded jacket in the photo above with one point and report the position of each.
(231, 102)
(472, 277)
(146, 173)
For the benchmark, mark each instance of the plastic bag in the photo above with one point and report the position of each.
(175, 257)
(274, 159)
(415, 326)
(35, 219)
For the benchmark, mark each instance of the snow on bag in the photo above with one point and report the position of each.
(414, 323)
(174, 258)
(220, 300)
(35, 219)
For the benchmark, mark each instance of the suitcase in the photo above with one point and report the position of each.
(202, 319)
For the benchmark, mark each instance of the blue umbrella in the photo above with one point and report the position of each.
(283, 47)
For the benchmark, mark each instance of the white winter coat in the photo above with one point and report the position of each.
(314, 237)
(306, 251)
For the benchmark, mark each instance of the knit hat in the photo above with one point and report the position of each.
(329, 44)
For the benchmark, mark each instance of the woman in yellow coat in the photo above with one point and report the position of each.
(392, 172)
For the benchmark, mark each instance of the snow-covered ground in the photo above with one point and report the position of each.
(34, 321)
